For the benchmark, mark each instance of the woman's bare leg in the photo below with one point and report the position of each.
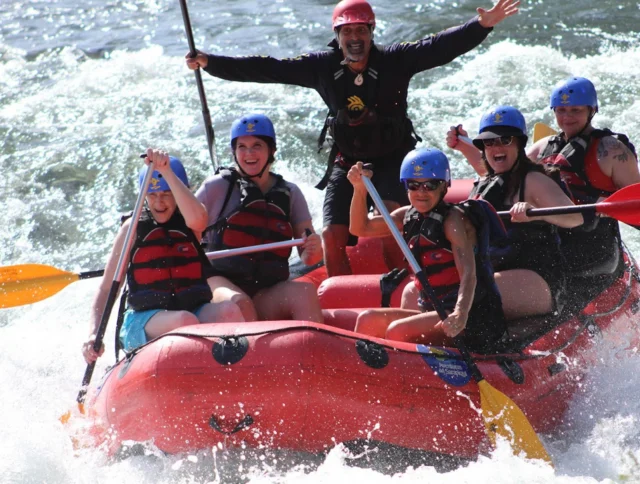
(524, 293)
(224, 290)
(289, 300)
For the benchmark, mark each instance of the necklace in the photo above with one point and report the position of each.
(359, 79)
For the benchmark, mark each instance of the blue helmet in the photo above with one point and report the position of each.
(158, 183)
(252, 125)
(501, 121)
(425, 163)
(576, 91)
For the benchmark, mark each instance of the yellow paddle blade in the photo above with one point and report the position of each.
(29, 283)
(541, 130)
(503, 417)
(65, 417)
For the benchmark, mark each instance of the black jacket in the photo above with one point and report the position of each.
(397, 64)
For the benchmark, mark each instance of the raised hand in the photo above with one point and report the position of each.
(499, 12)
(452, 136)
(159, 158)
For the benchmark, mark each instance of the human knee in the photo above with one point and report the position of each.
(229, 311)
(367, 321)
(396, 331)
(184, 318)
(245, 305)
(305, 290)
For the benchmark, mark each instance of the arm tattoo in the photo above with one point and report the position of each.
(602, 150)
(622, 156)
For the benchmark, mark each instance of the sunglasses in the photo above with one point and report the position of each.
(429, 185)
(502, 140)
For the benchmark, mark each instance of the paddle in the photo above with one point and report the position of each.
(30, 283)
(623, 205)
(541, 130)
(115, 285)
(211, 137)
(501, 415)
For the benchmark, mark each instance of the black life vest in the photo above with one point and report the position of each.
(426, 238)
(259, 219)
(522, 238)
(370, 135)
(167, 266)
(577, 161)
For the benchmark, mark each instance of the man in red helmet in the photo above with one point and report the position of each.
(365, 87)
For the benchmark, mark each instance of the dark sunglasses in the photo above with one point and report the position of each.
(429, 185)
(502, 140)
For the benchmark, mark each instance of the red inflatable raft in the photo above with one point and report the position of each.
(306, 387)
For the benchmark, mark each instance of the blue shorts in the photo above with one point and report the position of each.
(132, 333)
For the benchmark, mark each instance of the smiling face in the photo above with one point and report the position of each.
(252, 154)
(501, 157)
(162, 205)
(355, 41)
(424, 199)
(572, 119)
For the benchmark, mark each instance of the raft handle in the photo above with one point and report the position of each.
(512, 369)
(243, 424)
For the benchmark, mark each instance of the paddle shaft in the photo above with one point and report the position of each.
(426, 287)
(619, 210)
(466, 140)
(90, 274)
(219, 254)
(211, 137)
(117, 279)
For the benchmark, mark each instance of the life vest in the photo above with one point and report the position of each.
(167, 266)
(577, 160)
(259, 219)
(360, 132)
(522, 238)
(426, 238)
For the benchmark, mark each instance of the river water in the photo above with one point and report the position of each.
(85, 86)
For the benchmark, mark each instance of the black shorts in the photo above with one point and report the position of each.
(337, 199)
(486, 325)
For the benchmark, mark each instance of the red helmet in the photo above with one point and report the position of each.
(353, 12)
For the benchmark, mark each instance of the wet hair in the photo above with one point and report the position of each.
(522, 166)
(271, 144)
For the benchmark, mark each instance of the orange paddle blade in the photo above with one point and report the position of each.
(29, 283)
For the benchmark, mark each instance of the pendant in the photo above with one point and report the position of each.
(358, 80)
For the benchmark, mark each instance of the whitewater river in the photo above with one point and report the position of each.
(85, 86)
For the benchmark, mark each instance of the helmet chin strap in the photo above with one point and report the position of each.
(245, 174)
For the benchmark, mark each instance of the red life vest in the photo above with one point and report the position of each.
(259, 219)
(426, 239)
(428, 243)
(594, 247)
(167, 267)
(577, 160)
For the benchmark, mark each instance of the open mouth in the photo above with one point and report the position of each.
(251, 163)
(355, 47)
(499, 158)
